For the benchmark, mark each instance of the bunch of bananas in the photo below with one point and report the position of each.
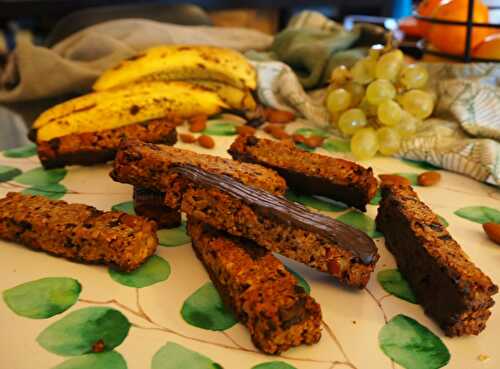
(173, 80)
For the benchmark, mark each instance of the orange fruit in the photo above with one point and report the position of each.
(425, 9)
(451, 39)
(489, 48)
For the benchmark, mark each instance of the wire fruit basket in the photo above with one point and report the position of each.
(469, 25)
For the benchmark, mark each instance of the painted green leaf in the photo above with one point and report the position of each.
(315, 202)
(173, 236)
(78, 332)
(376, 199)
(53, 191)
(420, 164)
(220, 128)
(7, 173)
(443, 221)
(41, 177)
(312, 132)
(360, 221)
(304, 147)
(205, 309)
(274, 365)
(126, 207)
(21, 152)
(393, 282)
(102, 360)
(412, 177)
(412, 345)
(154, 270)
(479, 214)
(174, 356)
(300, 280)
(43, 298)
(336, 145)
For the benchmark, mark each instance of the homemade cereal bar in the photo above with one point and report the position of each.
(452, 290)
(264, 296)
(77, 232)
(90, 148)
(309, 173)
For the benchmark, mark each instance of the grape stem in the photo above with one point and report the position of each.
(139, 312)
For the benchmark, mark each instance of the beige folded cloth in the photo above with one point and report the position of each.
(71, 66)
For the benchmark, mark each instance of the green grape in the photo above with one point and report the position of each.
(338, 100)
(340, 75)
(351, 120)
(357, 92)
(418, 103)
(413, 76)
(407, 127)
(364, 143)
(389, 140)
(388, 65)
(389, 112)
(375, 51)
(363, 71)
(380, 90)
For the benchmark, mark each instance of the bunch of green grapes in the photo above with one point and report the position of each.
(379, 101)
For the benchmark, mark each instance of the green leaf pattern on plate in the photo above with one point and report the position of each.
(300, 280)
(126, 207)
(175, 356)
(154, 270)
(220, 128)
(315, 202)
(77, 333)
(103, 360)
(205, 309)
(479, 214)
(376, 199)
(393, 282)
(174, 236)
(412, 345)
(336, 145)
(360, 221)
(8, 172)
(420, 164)
(54, 191)
(41, 177)
(21, 152)
(273, 365)
(43, 298)
(307, 132)
(412, 177)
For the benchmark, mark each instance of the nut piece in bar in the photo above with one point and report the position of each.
(270, 220)
(309, 173)
(452, 290)
(77, 232)
(90, 148)
(149, 204)
(255, 285)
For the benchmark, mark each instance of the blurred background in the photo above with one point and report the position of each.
(47, 22)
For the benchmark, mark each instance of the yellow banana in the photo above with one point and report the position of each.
(139, 102)
(240, 99)
(182, 62)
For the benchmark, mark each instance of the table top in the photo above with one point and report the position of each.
(144, 314)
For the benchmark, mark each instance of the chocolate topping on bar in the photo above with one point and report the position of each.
(342, 235)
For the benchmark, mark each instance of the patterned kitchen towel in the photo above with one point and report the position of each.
(465, 137)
